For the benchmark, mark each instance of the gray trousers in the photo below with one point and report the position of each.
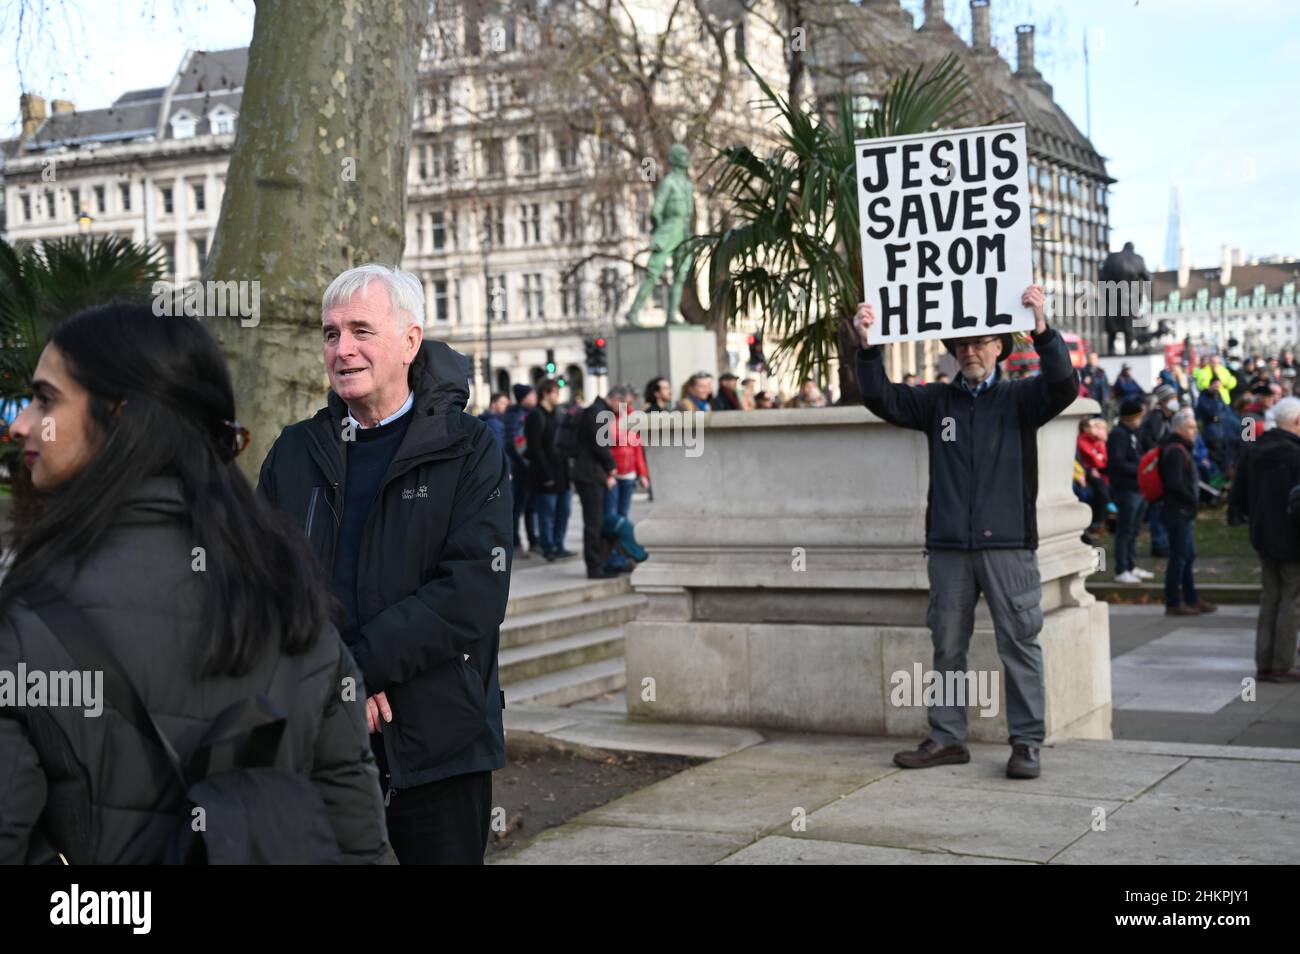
(1013, 590)
(1275, 632)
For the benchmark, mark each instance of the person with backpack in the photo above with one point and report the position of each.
(155, 565)
(1153, 429)
(1123, 457)
(405, 499)
(548, 467)
(1179, 495)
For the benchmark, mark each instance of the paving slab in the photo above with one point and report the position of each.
(730, 798)
(625, 735)
(1236, 784)
(895, 812)
(1148, 833)
(1189, 749)
(540, 719)
(582, 844)
(782, 850)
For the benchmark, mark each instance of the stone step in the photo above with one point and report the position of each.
(565, 652)
(568, 620)
(567, 594)
(569, 685)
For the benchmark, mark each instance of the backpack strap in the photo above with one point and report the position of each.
(76, 634)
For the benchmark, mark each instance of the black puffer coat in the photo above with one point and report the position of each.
(139, 592)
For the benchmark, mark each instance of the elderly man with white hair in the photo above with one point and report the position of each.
(406, 501)
(1178, 512)
(1267, 474)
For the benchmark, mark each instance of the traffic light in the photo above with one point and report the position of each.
(597, 362)
(756, 360)
(550, 362)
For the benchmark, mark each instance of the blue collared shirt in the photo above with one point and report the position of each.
(978, 389)
(406, 406)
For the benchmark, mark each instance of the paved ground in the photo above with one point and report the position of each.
(831, 800)
(1180, 679)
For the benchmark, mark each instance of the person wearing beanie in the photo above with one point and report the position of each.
(517, 456)
(1123, 455)
(1151, 432)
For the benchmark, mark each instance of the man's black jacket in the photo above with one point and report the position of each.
(983, 450)
(433, 574)
(1178, 474)
(1265, 476)
(548, 472)
(1123, 453)
(594, 461)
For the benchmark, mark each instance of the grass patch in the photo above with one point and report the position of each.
(1223, 553)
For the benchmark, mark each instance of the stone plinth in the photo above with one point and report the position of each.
(787, 580)
(636, 355)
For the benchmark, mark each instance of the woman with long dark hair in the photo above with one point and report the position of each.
(199, 595)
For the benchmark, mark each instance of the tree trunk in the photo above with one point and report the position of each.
(316, 184)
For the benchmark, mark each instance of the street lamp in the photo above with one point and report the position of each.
(1212, 276)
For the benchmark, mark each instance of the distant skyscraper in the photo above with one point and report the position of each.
(1172, 233)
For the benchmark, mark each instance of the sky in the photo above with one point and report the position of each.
(1198, 94)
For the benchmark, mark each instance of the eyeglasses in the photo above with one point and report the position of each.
(973, 343)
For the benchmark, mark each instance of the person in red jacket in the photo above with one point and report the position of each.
(1092, 455)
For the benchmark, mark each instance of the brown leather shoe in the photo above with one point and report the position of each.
(1023, 762)
(930, 753)
(1182, 611)
(1206, 607)
(1291, 675)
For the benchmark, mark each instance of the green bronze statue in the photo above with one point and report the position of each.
(671, 216)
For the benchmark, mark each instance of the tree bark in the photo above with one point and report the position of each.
(316, 184)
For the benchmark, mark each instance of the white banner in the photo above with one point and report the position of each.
(946, 244)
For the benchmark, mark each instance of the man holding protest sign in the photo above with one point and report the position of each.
(981, 528)
(945, 247)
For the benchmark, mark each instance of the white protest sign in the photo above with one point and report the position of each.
(946, 244)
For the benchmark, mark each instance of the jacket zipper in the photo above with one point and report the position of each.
(970, 447)
(311, 510)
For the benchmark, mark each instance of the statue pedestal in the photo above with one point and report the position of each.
(793, 604)
(636, 355)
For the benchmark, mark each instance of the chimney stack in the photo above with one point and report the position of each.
(933, 15)
(62, 106)
(32, 109)
(1025, 51)
(1225, 278)
(981, 34)
(1184, 270)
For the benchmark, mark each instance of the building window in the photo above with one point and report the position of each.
(222, 122)
(441, 303)
(494, 156)
(570, 293)
(568, 227)
(533, 296)
(50, 207)
(438, 230)
(530, 218)
(419, 232)
(611, 290)
(566, 148)
(497, 298)
(530, 161)
(166, 194)
(606, 150)
(200, 197)
(74, 195)
(169, 257)
(101, 199)
(26, 201)
(607, 217)
(183, 126)
(498, 95)
(494, 225)
(124, 190)
(740, 38)
(201, 252)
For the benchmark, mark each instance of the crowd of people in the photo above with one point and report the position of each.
(1220, 434)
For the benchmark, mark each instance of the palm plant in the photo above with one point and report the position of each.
(790, 250)
(40, 285)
